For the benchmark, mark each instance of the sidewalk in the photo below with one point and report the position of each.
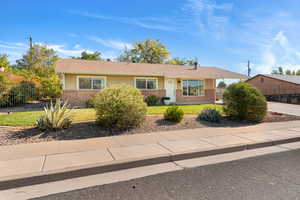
(46, 158)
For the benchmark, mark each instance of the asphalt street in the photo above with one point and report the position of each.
(275, 176)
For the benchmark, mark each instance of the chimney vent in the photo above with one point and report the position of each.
(195, 65)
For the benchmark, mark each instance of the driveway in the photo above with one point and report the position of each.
(284, 108)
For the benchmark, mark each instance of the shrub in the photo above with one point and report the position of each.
(120, 107)
(152, 100)
(210, 114)
(56, 116)
(90, 103)
(174, 114)
(244, 102)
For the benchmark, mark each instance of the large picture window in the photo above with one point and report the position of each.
(192, 88)
(91, 83)
(146, 83)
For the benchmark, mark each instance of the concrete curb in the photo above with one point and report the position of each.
(75, 172)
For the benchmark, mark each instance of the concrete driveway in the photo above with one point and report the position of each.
(285, 108)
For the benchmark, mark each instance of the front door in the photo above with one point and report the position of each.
(171, 89)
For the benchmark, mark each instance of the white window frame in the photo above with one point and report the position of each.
(93, 78)
(156, 82)
(200, 95)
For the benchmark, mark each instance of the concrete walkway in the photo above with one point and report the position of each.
(285, 108)
(49, 157)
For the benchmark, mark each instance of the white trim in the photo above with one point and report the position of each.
(92, 77)
(203, 80)
(156, 81)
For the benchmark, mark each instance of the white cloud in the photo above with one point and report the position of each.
(204, 13)
(148, 23)
(279, 52)
(72, 35)
(114, 44)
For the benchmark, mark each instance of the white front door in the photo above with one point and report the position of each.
(170, 85)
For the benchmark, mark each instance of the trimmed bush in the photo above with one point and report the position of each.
(90, 103)
(174, 114)
(152, 100)
(120, 107)
(244, 102)
(210, 114)
(56, 116)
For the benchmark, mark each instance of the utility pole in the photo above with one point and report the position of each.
(30, 42)
(249, 69)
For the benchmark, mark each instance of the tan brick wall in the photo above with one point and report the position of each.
(78, 97)
(159, 93)
(270, 86)
(209, 97)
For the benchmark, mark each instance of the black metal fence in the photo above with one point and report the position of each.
(18, 95)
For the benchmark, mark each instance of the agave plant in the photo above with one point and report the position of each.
(56, 116)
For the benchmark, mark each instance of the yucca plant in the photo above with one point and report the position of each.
(56, 116)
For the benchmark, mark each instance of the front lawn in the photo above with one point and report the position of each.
(87, 114)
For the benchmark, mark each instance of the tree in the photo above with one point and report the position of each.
(38, 65)
(222, 85)
(279, 70)
(288, 72)
(298, 72)
(181, 61)
(4, 62)
(148, 51)
(89, 56)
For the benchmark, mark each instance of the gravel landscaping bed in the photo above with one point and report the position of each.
(17, 135)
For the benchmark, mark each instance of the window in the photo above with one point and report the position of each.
(146, 83)
(91, 83)
(192, 88)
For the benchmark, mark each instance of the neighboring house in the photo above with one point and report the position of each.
(82, 79)
(284, 88)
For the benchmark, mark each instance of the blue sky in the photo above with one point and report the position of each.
(223, 33)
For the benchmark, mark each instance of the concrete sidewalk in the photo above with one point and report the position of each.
(46, 158)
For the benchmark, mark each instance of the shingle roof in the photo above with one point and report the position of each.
(77, 66)
(288, 78)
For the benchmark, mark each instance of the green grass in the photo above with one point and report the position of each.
(86, 114)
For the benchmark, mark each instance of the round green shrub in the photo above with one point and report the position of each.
(120, 107)
(174, 114)
(152, 100)
(244, 102)
(210, 114)
(90, 103)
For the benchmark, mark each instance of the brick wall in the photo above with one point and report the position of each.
(209, 97)
(160, 93)
(270, 86)
(78, 97)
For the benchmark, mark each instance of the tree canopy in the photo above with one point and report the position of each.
(89, 56)
(4, 62)
(181, 61)
(37, 64)
(148, 51)
(280, 71)
(222, 85)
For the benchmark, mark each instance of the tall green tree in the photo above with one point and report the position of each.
(147, 51)
(89, 56)
(222, 85)
(279, 70)
(37, 64)
(181, 61)
(4, 62)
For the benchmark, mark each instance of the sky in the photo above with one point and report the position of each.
(222, 33)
